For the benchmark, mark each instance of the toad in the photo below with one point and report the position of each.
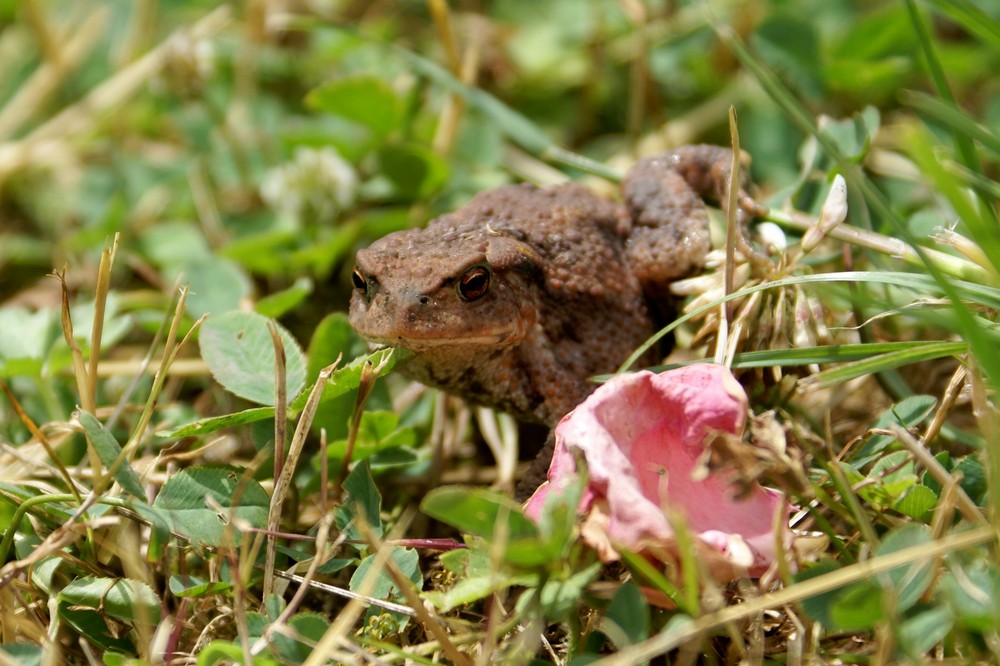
(519, 297)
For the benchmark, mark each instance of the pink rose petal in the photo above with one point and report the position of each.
(642, 435)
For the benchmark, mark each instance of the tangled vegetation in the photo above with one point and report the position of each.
(183, 186)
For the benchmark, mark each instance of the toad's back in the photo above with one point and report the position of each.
(516, 299)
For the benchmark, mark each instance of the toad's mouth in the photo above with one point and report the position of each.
(417, 342)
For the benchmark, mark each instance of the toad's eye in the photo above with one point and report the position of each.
(474, 283)
(359, 280)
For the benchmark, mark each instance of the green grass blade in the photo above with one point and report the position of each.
(972, 18)
(949, 114)
(882, 362)
(838, 353)
(514, 124)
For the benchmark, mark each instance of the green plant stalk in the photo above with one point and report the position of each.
(100, 307)
(280, 426)
(958, 267)
(284, 480)
(642, 566)
(732, 229)
(691, 566)
(126, 395)
(22, 509)
(169, 354)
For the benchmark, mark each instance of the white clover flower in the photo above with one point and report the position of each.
(188, 65)
(317, 182)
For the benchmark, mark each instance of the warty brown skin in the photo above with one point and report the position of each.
(515, 300)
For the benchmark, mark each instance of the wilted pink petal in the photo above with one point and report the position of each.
(642, 435)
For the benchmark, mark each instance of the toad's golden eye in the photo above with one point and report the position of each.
(359, 280)
(474, 284)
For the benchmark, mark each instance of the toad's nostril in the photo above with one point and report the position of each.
(424, 300)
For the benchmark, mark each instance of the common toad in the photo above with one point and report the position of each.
(516, 299)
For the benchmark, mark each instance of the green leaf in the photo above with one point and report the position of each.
(343, 380)
(819, 606)
(971, 16)
(858, 608)
(791, 47)
(415, 172)
(493, 516)
(376, 432)
(893, 476)
(121, 598)
(557, 521)
(475, 577)
(865, 76)
(850, 136)
(333, 336)
(213, 423)
(43, 573)
(114, 328)
(918, 634)
(57, 511)
(917, 503)
(363, 502)
(478, 511)
(906, 413)
(366, 100)
(281, 302)
(310, 627)
(348, 378)
(217, 285)
(27, 335)
(182, 501)
(93, 626)
(219, 653)
(626, 622)
(238, 349)
(559, 598)
(174, 244)
(973, 592)
(466, 591)
(951, 115)
(22, 654)
(408, 562)
(108, 451)
(974, 480)
(192, 586)
(266, 253)
(118, 659)
(908, 583)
